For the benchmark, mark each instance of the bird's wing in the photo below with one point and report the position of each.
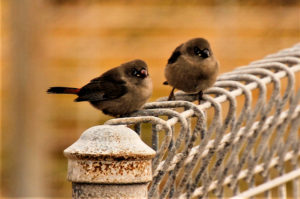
(176, 53)
(109, 86)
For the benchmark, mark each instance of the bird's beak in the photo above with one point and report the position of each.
(205, 53)
(144, 72)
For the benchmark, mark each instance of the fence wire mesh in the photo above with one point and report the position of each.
(253, 151)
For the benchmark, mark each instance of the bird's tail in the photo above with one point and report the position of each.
(63, 90)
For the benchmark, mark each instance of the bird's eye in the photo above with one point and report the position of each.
(142, 73)
(134, 72)
(201, 53)
(197, 51)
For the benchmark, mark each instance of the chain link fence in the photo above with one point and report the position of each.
(249, 147)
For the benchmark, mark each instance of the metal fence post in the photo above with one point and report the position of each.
(109, 162)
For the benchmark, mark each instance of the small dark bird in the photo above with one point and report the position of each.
(117, 92)
(191, 68)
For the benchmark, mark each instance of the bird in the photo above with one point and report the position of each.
(192, 68)
(117, 92)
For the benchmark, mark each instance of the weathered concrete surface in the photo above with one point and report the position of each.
(109, 162)
(116, 172)
(109, 142)
(97, 191)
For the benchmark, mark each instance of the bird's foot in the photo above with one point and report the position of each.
(171, 96)
(200, 97)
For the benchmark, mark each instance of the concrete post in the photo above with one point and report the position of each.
(109, 162)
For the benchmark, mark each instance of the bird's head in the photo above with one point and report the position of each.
(136, 69)
(198, 48)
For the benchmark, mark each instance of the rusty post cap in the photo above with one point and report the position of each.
(109, 154)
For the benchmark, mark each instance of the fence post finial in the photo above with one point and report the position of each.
(109, 162)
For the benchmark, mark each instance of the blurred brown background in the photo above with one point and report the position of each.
(66, 43)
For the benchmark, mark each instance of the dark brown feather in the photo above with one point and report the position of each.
(106, 87)
(175, 55)
(63, 90)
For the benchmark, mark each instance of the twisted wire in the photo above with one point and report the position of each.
(208, 155)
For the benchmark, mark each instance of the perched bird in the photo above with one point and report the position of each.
(117, 92)
(191, 68)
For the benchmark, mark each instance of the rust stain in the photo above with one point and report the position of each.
(136, 168)
(109, 157)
